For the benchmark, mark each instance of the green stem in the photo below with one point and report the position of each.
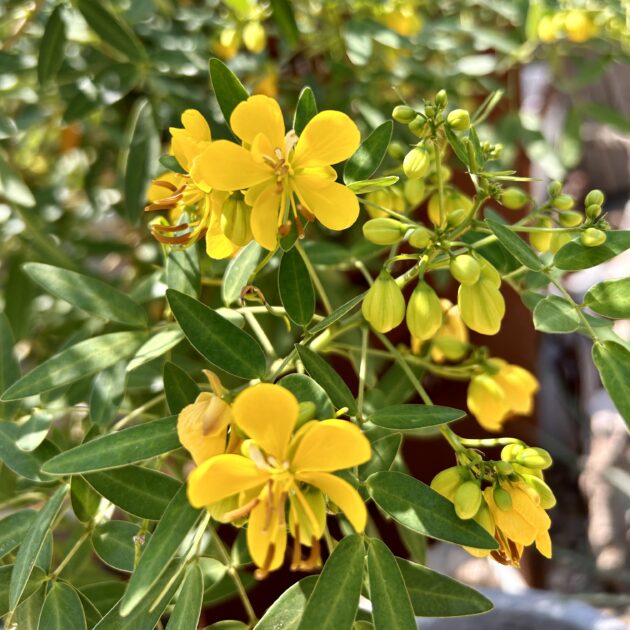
(139, 411)
(362, 373)
(261, 265)
(71, 553)
(260, 334)
(438, 175)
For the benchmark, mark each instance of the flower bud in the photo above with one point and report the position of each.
(534, 457)
(384, 231)
(429, 111)
(416, 163)
(384, 304)
(482, 306)
(554, 189)
(564, 202)
(254, 37)
(514, 198)
(397, 150)
(414, 191)
(465, 269)
(235, 221)
(545, 494)
(450, 348)
(420, 237)
(541, 240)
(579, 26)
(441, 99)
(459, 119)
(403, 114)
(389, 198)
(502, 498)
(504, 468)
(468, 499)
(417, 125)
(424, 312)
(593, 211)
(592, 237)
(510, 451)
(452, 200)
(447, 481)
(570, 218)
(456, 217)
(559, 240)
(594, 197)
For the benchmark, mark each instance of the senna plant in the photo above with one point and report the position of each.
(257, 450)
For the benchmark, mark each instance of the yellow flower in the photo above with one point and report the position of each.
(450, 342)
(279, 464)
(276, 169)
(496, 395)
(579, 26)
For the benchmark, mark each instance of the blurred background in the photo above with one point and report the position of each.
(84, 115)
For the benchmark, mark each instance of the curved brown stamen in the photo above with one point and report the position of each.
(234, 515)
(263, 571)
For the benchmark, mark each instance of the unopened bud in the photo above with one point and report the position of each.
(554, 189)
(513, 198)
(254, 37)
(559, 240)
(564, 202)
(510, 451)
(468, 499)
(541, 240)
(429, 110)
(420, 237)
(456, 217)
(594, 197)
(417, 125)
(441, 99)
(424, 312)
(534, 457)
(383, 231)
(414, 191)
(403, 114)
(384, 304)
(465, 269)
(416, 163)
(452, 349)
(570, 218)
(593, 211)
(592, 237)
(397, 150)
(502, 499)
(504, 468)
(447, 481)
(547, 498)
(459, 119)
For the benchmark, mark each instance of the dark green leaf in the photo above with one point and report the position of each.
(139, 491)
(296, 288)
(610, 298)
(409, 417)
(228, 90)
(326, 376)
(286, 611)
(117, 449)
(62, 609)
(282, 12)
(554, 314)
(170, 162)
(35, 580)
(75, 363)
(334, 601)
(188, 606)
(182, 271)
(419, 508)
(51, 47)
(25, 463)
(29, 611)
(108, 391)
(32, 544)
(84, 499)
(391, 607)
(218, 340)
(13, 528)
(112, 31)
(92, 614)
(368, 157)
(114, 543)
(515, 245)
(305, 109)
(384, 451)
(103, 595)
(9, 367)
(34, 431)
(575, 256)
(306, 389)
(435, 595)
(177, 520)
(337, 314)
(457, 145)
(613, 363)
(238, 271)
(180, 389)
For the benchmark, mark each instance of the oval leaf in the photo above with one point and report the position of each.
(409, 417)
(114, 543)
(368, 157)
(238, 271)
(62, 609)
(182, 271)
(188, 606)
(179, 388)
(108, 391)
(84, 499)
(9, 367)
(117, 449)
(305, 109)
(218, 340)
(419, 508)
(27, 464)
(295, 287)
(35, 580)
(51, 46)
(228, 90)
(286, 611)
(554, 314)
(305, 389)
(613, 363)
(384, 451)
(610, 298)
(515, 245)
(13, 528)
(575, 256)
(282, 12)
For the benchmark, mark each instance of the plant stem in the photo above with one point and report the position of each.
(362, 373)
(71, 553)
(139, 411)
(260, 334)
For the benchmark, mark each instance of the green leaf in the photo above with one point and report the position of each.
(35, 580)
(26, 464)
(13, 188)
(306, 389)
(156, 346)
(187, 609)
(113, 542)
(32, 544)
(182, 271)
(305, 109)
(435, 595)
(368, 157)
(13, 528)
(457, 145)
(295, 287)
(62, 609)
(384, 451)
(51, 47)
(9, 367)
(177, 520)
(286, 611)
(114, 32)
(334, 601)
(34, 431)
(180, 389)
(554, 314)
(515, 245)
(419, 508)
(337, 314)
(409, 417)
(238, 271)
(326, 376)
(574, 256)
(117, 449)
(170, 162)
(229, 91)
(391, 607)
(215, 338)
(87, 293)
(613, 363)
(84, 499)
(282, 13)
(610, 298)
(103, 595)
(370, 185)
(108, 391)
(29, 611)
(92, 614)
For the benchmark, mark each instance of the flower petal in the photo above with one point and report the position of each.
(331, 445)
(334, 205)
(328, 138)
(267, 413)
(519, 386)
(196, 125)
(188, 142)
(221, 476)
(224, 165)
(342, 494)
(482, 306)
(265, 217)
(266, 527)
(487, 402)
(543, 543)
(159, 191)
(258, 114)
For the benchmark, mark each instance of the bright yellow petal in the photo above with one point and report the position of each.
(188, 142)
(222, 476)
(164, 185)
(529, 509)
(219, 246)
(342, 494)
(267, 533)
(328, 138)
(519, 386)
(224, 165)
(267, 413)
(487, 402)
(543, 543)
(258, 114)
(334, 205)
(331, 445)
(511, 522)
(196, 125)
(265, 217)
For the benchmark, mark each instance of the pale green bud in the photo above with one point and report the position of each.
(554, 189)
(447, 481)
(441, 99)
(592, 237)
(514, 198)
(417, 125)
(510, 451)
(414, 191)
(468, 499)
(459, 119)
(397, 150)
(570, 218)
(420, 237)
(564, 202)
(534, 457)
(424, 312)
(594, 197)
(416, 163)
(403, 114)
(465, 269)
(547, 498)
(502, 498)
(593, 211)
(383, 231)
(456, 217)
(384, 304)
